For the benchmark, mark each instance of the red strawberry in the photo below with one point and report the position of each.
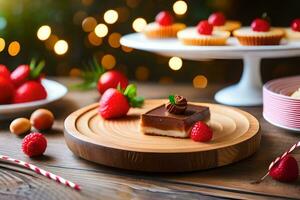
(217, 19)
(30, 91)
(286, 170)
(201, 132)
(260, 25)
(296, 25)
(111, 79)
(26, 72)
(4, 72)
(6, 90)
(164, 18)
(204, 28)
(114, 103)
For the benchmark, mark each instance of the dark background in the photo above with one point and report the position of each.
(24, 17)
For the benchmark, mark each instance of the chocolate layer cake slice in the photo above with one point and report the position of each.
(160, 121)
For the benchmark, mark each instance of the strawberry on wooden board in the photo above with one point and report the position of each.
(6, 90)
(115, 103)
(30, 91)
(4, 72)
(286, 170)
(26, 72)
(111, 79)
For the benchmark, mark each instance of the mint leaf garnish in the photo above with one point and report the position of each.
(172, 99)
(130, 93)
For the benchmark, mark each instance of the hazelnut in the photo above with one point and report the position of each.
(42, 119)
(20, 126)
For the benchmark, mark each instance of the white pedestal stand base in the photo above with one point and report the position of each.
(248, 92)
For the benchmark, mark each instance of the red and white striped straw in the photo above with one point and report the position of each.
(277, 160)
(43, 172)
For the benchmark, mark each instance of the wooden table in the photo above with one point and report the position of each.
(100, 182)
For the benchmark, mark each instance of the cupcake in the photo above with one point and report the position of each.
(163, 27)
(293, 33)
(219, 21)
(203, 35)
(260, 33)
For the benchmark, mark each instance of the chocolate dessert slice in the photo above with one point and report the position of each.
(160, 121)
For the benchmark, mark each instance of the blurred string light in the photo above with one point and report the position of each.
(61, 47)
(175, 63)
(89, 24)
(139, 24)
(51, 42)
(180, 7)
(101, 30)
(166, 80)
(127, 49)
(44, 32)
(114, 40)
(108, 61)
(142, 73)
(14, 48)
(94, 39)
(132, 3)
(87, 2)
(75, 72)
(2, 44)
(110, 16)
(79, 17)
(200, 81)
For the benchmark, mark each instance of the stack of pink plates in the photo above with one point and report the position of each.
(279, 108)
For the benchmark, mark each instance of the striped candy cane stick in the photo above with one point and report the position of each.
(277, 160)
(41, 171)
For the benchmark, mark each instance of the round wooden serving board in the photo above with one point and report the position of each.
(118, 143)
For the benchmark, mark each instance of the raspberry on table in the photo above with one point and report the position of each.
(34, 144)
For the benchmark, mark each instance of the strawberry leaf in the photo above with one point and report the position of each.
(131, 92)
(35, 70)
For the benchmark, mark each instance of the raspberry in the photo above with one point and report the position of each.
(201, 132)
(217, 19)
(296, 25)
(204, 28)
(286, 170)
(164, 18)
(260, 25)
(34, 144)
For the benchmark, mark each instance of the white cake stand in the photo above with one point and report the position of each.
(248, 92)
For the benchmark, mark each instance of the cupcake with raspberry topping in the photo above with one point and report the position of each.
(163, 27)
(219, 21)
(260, 33)
(293, 33)
(203, 35)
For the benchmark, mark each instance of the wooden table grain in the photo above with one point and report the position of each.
(100, 182)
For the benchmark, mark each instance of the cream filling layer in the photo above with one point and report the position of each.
(192, 33)
(247, 31)
(171, 133)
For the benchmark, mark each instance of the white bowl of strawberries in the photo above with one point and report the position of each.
(24, 89)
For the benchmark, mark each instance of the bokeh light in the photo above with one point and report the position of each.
(166, 80)
(114, 40)
(132, 3)
(94, 39)
(89, 24)
(14, 48)
(79, 17)
(111, 16)
(87, 2)
(127, 49)
(200, 81)
(142, 73)
(75, 72)
(2, 44)
(101, 30)
(61, 47)
(180, 7)
(108, 61)
(44, 32)
(175, 63)
(139, 24)
(51, 41)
